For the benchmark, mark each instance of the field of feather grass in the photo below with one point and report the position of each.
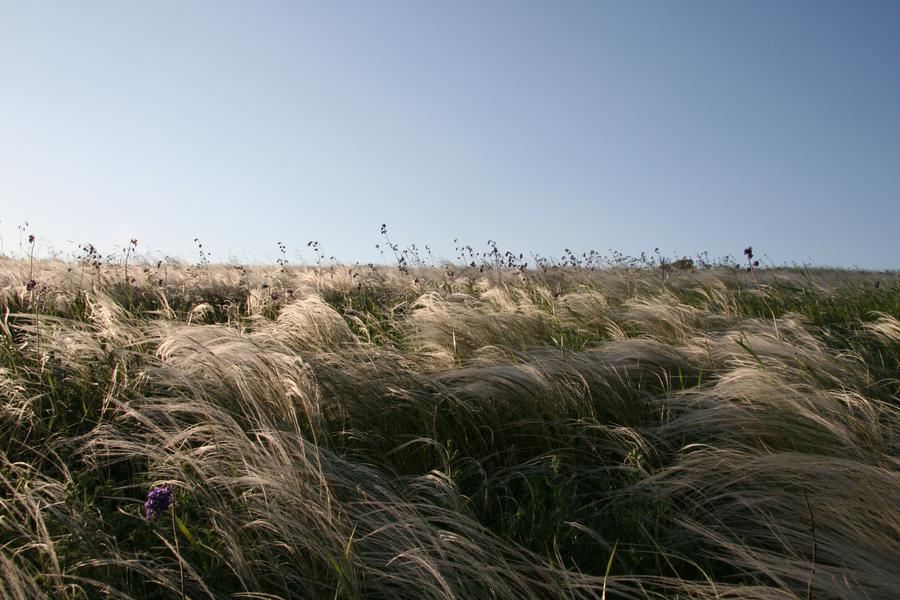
(412, 433)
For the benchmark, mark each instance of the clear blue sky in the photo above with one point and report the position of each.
(686, 126)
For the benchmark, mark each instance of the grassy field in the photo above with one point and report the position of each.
(336, 432)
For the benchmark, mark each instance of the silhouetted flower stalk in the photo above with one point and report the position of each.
(89, 257)
(204, 259)
(752, 264)
(30, 287)
(31, 240)
(22, 228)
(132, 246)
(282, 260)
(319, 256)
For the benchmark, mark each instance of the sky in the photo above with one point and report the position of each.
(685, 126)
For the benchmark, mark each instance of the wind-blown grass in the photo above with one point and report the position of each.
(409, 434)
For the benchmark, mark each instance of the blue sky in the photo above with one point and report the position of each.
(687, 126)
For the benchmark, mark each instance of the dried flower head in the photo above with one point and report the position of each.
(159, 499)
(30, 239)
(748, 252)
(31, 285)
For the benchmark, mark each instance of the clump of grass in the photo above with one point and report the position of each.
(573, 429)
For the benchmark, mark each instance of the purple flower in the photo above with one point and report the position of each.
(30, 285)
(158, 501)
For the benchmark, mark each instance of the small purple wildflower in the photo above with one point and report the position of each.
(158, 501)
